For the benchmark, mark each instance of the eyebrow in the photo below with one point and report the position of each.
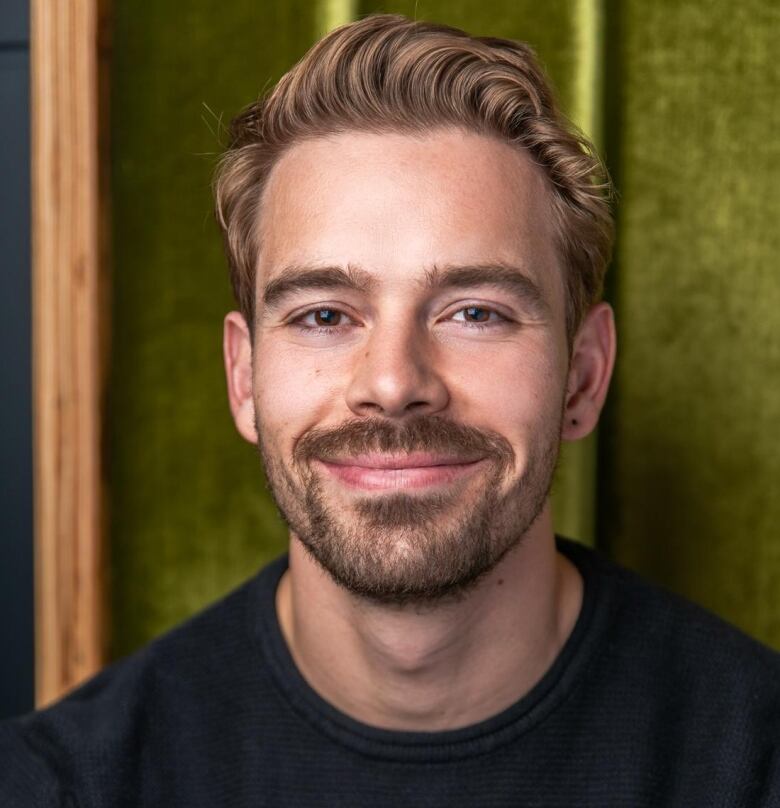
(511, 279)
(502, 276)
(296, 278)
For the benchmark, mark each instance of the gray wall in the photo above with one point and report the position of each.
(16, 551)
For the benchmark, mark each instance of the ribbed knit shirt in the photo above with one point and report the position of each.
(652, 701)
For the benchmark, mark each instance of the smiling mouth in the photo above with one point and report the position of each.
(394, 472)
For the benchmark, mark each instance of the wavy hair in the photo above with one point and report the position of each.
(386, 73)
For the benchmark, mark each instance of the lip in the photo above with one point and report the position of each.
(393, 472)
(402, 461)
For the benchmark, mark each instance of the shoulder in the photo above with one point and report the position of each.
(670, 632)
(678, 677)
(101, 732)
(676, 687)
(655, 625)
(27, 777)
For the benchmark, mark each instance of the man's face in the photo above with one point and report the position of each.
(410, 355)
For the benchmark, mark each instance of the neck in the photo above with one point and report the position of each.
(436, 668)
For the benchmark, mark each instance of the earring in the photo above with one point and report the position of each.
(574, 422)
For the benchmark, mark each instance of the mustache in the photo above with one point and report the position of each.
(422, 433)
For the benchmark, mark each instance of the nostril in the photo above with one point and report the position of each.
(370, 406)
(395, 384)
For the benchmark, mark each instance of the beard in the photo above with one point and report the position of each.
(412, 548)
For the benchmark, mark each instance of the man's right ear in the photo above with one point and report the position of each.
(237, 351)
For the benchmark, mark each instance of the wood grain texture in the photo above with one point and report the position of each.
(67, 357)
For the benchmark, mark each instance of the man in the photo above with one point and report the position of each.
(417, 244)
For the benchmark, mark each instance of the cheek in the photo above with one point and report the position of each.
(292, 392)
(516, 386)
(518, 393)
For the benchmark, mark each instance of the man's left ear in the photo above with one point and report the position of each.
(590, 369)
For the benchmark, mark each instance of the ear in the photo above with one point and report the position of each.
(590, 369)
(237, 350)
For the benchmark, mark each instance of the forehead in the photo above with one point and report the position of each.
(399, 204)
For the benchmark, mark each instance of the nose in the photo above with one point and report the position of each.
(395, 374)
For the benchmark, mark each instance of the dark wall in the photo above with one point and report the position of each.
(16, 541)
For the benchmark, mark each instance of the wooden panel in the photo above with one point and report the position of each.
(66, 344)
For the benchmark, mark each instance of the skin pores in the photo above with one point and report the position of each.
(470, 376)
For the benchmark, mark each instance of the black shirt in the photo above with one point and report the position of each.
(651, 702)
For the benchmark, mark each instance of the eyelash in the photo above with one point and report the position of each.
(328, 330)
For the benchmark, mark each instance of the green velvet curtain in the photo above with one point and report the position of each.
(682, 481)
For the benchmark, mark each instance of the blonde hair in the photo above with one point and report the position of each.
(386, 73)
